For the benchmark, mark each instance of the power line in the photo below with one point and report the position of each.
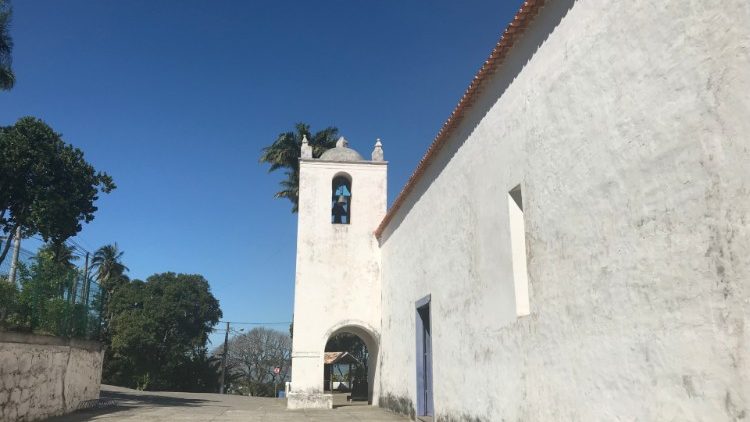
(79, 250)
(83, 244)
(77, 245)
(256, 323)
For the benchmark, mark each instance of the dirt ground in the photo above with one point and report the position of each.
(122, 404)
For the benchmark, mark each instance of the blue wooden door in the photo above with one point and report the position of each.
(424, 359)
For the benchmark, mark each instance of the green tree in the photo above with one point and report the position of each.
(284, 154)
(60, 253)
(46, 186)
(159, 329)
(9, 317)
(252, 358)
(7, 78)
(110, 275)
(42, 303)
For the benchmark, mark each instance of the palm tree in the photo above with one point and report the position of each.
(110, 270)
(54, 268)
(7, 78)
(60, 253)
(284, 153)
(110, 274)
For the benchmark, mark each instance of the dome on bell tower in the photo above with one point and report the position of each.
(342, 152)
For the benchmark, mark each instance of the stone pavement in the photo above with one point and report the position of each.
(132, 405)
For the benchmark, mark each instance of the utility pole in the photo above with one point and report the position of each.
(224, 360)
(75, 282)
(85, 278)
(85, 287)
(14, 259)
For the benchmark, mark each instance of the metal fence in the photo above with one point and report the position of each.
(65, 303)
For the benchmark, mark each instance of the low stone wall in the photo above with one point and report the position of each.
(42, 376)
(309, 400)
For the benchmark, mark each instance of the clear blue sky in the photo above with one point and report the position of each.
(175, 100)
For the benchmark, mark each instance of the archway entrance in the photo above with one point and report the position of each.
(349, 366)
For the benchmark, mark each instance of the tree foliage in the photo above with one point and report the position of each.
(60, 254)
(7, 77)
(110, 271)
(158, 332)
(46, 186)
(284, 153)
(43, 304)
(110, 275)
(252, 358)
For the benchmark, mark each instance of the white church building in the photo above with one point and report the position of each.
(575, 243)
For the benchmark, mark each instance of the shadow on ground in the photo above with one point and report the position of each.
(152, 399)
(111, 402)
(122, 404)
(344, 400)
(87, 415)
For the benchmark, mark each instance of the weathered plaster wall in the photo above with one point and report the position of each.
(337, 286)
(46, 376)
(627, 124)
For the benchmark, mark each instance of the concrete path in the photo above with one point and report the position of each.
(132, 405)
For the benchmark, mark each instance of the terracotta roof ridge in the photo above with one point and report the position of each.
(517, 26)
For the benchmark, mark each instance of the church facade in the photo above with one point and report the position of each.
(575, 244)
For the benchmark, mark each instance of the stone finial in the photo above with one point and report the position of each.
(342, 142)
(377, 153)
(306, 148)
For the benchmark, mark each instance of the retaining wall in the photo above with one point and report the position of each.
(43, 376)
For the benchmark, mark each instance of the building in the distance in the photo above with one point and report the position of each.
(574, 245)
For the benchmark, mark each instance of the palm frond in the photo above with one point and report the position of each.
(284, 153)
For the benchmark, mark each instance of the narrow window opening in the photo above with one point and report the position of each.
(341, 200)
(518, 248)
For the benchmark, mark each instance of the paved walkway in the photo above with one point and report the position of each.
(132, 405)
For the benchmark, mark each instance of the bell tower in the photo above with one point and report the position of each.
(342, 199)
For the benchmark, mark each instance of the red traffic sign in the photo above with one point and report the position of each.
(277, 370)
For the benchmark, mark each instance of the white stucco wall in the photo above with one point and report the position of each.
(337, 285)
(44, 376)
(627, 125)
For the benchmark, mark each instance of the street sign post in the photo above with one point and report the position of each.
(276, 372)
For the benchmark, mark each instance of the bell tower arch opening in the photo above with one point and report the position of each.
(341, 198)
(350, 363)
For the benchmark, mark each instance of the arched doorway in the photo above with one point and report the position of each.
(350, 360)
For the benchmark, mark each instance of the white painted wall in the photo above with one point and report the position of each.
(627, 124)
(337, 284)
